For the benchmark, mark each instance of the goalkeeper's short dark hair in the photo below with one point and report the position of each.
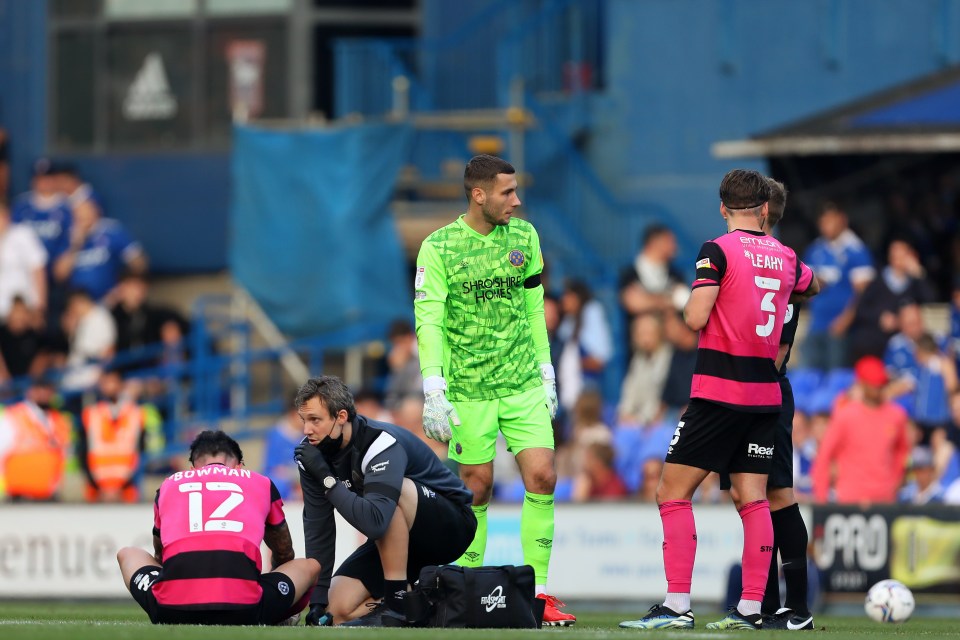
(481, 171)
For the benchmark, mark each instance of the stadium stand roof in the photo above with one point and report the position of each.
(921, 116)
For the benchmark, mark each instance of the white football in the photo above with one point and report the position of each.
(889, 601)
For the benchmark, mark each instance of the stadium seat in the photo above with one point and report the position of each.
(820, 401)
(804, 381)
(838, 380)
(511, 492)
(952, 470)
(627, 444)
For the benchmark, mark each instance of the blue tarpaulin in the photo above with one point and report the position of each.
(311, 236)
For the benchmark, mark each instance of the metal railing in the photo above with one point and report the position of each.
(215, 376)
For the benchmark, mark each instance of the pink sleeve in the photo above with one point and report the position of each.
(275, 515)
(805, 277)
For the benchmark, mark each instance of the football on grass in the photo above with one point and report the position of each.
(889, 601)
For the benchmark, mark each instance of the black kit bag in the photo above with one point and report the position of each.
(475, 598)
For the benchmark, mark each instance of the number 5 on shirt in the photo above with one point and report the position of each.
(772, 285)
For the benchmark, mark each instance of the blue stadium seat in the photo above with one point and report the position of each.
(627, 445)
(820, 401)
(804, 381)
(839, 380)
(952, 472)
(511, 491)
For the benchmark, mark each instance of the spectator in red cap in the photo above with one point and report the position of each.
(863, 455)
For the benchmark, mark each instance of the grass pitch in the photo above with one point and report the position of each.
(116, 621)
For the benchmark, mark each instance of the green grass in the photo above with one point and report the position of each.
(114, 621)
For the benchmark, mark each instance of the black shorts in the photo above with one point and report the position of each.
(717, 438)
(781, 469)
(274, 606)
(441, 532)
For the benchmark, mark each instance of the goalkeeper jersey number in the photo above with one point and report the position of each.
(472, 286)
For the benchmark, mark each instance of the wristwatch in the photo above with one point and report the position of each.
(329, 482)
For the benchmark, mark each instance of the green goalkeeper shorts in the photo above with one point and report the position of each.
(522, 418)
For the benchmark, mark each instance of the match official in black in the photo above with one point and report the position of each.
(392, 488)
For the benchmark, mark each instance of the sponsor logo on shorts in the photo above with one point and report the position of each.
(676, 436)
(144, 580)
(428, 492)
(756, 451)
(496, 599)
(458, 448)
(380, 466)
(283, 587)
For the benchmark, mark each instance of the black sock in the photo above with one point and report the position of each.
(790, 535)
(771, 594)
(393, 594)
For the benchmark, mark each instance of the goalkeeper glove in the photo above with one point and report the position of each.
(549, 378)
(437, 410)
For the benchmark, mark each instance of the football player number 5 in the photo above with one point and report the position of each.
(218, 520)
(771, 285)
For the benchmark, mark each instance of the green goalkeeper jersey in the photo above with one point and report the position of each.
(478, 325)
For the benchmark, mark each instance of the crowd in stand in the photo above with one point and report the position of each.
(74, 293)
(877, 398)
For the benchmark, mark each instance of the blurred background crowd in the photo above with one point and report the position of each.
(203, 202)
(89, 362)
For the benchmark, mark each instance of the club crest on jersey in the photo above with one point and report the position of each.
(516, 258)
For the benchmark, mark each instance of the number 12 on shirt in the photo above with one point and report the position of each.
(217, 520)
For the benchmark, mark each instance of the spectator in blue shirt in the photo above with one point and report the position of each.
(72, 186)
(100, 251)
(955, 321)
(923, 375)
(844, 268)
(902, 280)
(278, 464)
(924, 486)
(45, 209)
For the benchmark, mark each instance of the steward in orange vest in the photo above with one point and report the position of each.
(37, 441)
(113, 438)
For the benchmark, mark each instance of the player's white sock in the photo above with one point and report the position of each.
(679, 602)
(749, 607)
(540, 588)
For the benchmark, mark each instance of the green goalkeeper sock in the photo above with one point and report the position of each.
(473, 556)
(536, 533)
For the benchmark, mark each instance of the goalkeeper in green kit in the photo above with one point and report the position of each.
(485, 358)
